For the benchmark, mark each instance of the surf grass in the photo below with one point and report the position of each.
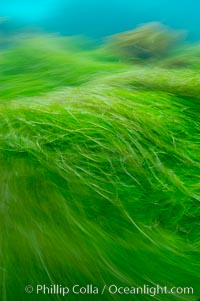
(187, 57)
(36, 64)
(182, 83)
(99, 185)
(99, 180)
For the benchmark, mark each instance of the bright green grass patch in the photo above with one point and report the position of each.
(183, 83)
(99, 181)
(99, 185)
(34, 65)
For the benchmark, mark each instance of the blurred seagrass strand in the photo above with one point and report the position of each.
(150, 41)
(33, 64)
(98, 171)
(99, 185)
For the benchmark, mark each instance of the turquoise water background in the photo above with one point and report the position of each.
(101, 17)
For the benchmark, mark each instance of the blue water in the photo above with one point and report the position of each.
(99, 18)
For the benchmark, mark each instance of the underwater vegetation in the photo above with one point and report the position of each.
(34, 64)
(99, 169)
(148, 41)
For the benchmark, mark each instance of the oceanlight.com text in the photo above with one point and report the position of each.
(112, 289)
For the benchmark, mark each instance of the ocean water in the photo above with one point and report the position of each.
(100, 17)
